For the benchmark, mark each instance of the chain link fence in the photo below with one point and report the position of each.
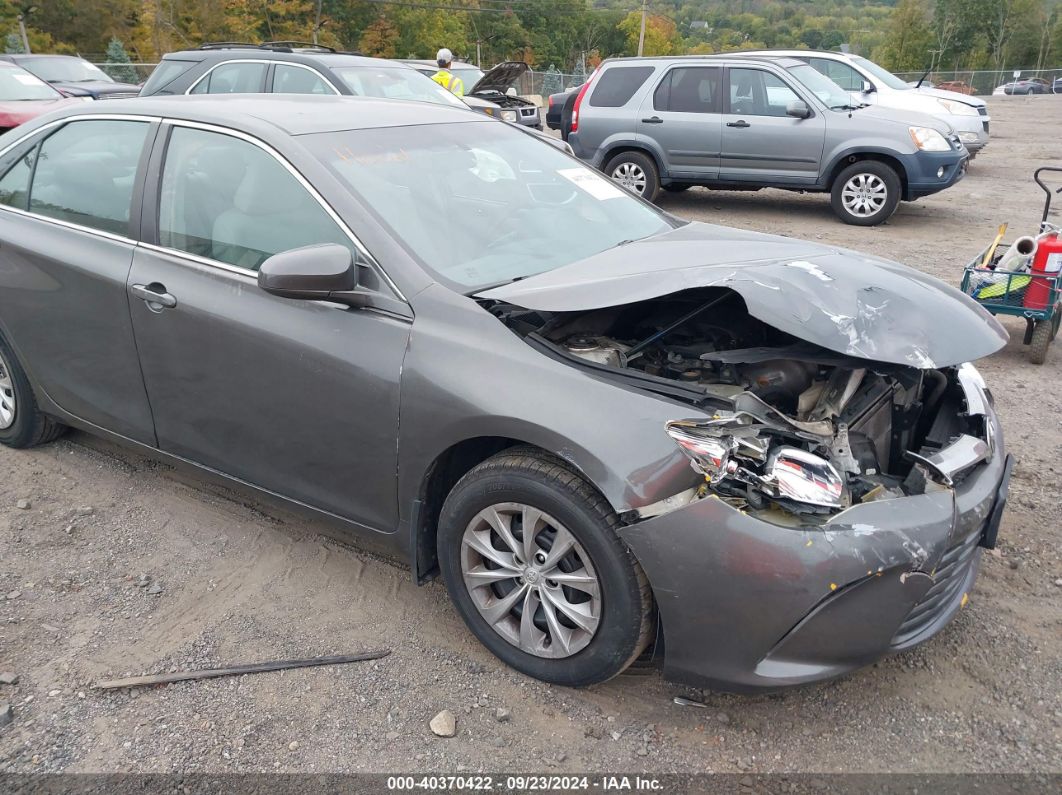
(984, 82)
(125, 72)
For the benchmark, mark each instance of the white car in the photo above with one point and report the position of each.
(872, 84)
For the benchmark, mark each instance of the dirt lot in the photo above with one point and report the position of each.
(240, 580)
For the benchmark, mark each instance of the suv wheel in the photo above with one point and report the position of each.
(866, 193)
(529, 554)
(636, 172)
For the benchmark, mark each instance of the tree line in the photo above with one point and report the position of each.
(568, 35)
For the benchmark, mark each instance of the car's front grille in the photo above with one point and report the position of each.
(985, 125)
(528, 111)
(948, 579)
(120, 95)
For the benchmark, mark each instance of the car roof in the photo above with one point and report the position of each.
(40, 56)
(252, 53)
(295, 114)
(782, 60)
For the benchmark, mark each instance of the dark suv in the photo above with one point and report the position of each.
(289, 68)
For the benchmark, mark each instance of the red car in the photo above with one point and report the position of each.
(24, 97)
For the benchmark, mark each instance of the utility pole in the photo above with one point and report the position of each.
(317, 21)
(641, 34)
(22, 30)
(479, 54)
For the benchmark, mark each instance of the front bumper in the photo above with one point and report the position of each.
(747, 605)
(922, 169)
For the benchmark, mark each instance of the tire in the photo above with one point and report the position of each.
(501, 493)
(1041, 341)
(677, 187)
(881, 198)
(636, 172)
(21, 423)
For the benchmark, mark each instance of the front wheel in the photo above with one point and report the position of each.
(636, 172)
(530, 556)
(866, 193)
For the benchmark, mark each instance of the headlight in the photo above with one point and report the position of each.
(804, 477)
(929, 140)
(508, 115)
(489, 111)
(968, 137)
(958, 108)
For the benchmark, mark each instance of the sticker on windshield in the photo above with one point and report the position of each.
(27, 80)
(596, 186)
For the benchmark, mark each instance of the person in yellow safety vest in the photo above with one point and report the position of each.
(444, 77)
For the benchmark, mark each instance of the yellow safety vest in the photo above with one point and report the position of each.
(450, 82)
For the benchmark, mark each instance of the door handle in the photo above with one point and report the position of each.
(741, 123)
(653, 120)
(155, 295)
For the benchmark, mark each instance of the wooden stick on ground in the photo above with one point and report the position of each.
(237, 670)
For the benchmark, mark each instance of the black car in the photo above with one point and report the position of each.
(289, 68)
(559, 109)
(73, 76)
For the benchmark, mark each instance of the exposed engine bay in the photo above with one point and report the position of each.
(796, 432)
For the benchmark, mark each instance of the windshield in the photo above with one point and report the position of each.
(17, 85)
(468, 76)
(394, 83)
(885, 76)
(65, 70)
(832, 95)
(481, 203)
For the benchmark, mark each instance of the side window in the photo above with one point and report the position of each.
(296, 80)
(14, 185)
(754, 92)
(228, 200)
(85, 173)
(618, 84)
(238, 77)
(691, 89)
(840, 73)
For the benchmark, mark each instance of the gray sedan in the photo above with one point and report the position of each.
(610, 431)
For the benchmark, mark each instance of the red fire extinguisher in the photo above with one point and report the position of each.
(1047, 261)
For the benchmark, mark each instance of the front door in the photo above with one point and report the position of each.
(761, 143)
(683, 116)
(296, 397)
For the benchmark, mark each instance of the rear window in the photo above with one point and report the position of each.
(618, 84)
(164, 74)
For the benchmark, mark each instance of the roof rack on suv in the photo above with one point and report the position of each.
(275, 46)
(299, 45)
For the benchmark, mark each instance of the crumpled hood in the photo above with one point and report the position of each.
(500, 77)
(847, 302)
(95, 88)
(954, 96)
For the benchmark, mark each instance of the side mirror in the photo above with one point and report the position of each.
(868, 87)
(798, 108)
(323, 272)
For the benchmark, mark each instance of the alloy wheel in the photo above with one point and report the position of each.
(7, 395)
(630, 176)
(531, 580)
(864, 195)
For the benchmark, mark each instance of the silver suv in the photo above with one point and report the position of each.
(740, 122)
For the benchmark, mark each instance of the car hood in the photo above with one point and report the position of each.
(954, 96)
(847, 302)
(13, 114)
(96, 88)
(907, 118)
(500, 77)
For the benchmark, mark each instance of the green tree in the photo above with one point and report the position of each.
(909, 39)
(552, 82)
(116, 54)
(13, 43)
(661, 36)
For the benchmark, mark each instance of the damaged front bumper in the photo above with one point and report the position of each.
(750, 605)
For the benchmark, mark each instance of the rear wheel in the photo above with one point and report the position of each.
(866, 193)
(529, 554)
(636, 172)
(21, 422)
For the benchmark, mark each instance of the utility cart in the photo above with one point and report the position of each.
(1033, 290)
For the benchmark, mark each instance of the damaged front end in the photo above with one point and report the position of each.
(794, 433)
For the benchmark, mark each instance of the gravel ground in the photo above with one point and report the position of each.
(115, 564)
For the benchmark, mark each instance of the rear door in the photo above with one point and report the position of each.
(296, 397)
(66, 245)
(683, 115)
(761, 143)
